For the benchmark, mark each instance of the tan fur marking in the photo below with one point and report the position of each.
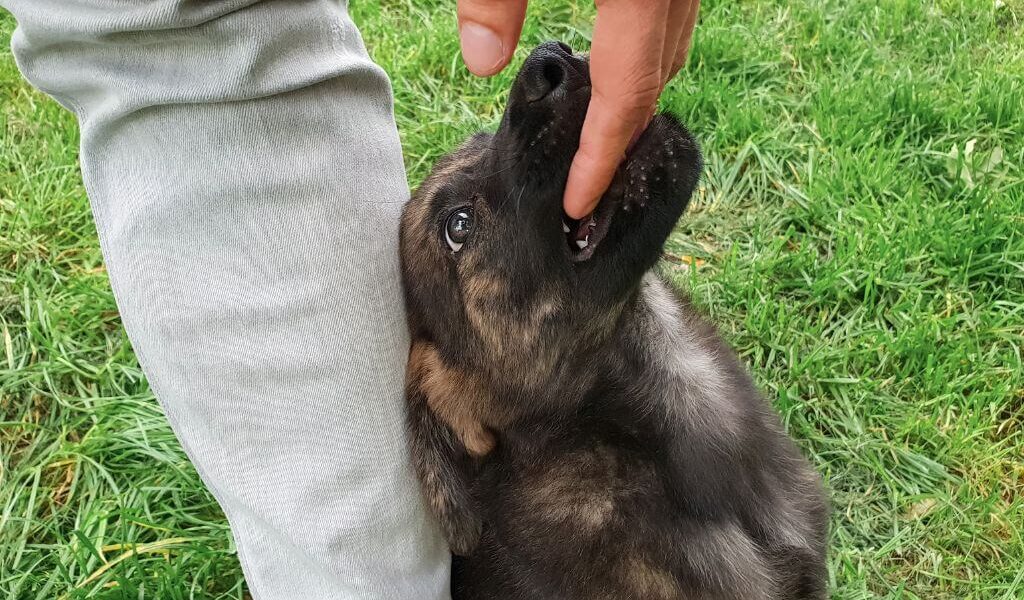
(483, 295)
(436, 492)
(459, 160)
(484, 288)
(513, 338)
(648, 581)
(578, 492)
(456, 398)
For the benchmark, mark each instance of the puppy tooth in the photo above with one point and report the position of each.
(583, 243)
(565, 228)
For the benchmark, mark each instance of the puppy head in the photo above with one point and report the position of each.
(496, 277)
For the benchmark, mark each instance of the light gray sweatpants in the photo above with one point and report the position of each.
(246, 178)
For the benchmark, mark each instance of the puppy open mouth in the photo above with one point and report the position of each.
(582, 236)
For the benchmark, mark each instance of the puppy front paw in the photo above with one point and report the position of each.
(442, 478)
(478, 441)
(462, 529)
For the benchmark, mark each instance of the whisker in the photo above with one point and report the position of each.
(522, 189)
(507, 198)
(518, 160)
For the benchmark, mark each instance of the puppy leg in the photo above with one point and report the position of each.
(443, 466)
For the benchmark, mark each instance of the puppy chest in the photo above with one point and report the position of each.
(564, 498)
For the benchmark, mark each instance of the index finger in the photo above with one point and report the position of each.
(625, 72)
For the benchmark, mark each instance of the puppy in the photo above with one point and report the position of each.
(578, 430)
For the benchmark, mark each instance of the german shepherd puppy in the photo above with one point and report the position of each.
(578, 430)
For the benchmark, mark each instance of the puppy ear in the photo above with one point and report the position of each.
(440, 459)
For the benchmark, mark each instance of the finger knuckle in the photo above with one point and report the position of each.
(635, 91)
(594, 154)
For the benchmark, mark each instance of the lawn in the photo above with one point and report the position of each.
(858, 236)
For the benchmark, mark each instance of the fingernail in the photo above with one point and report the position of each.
(482, 50)
(578, 211)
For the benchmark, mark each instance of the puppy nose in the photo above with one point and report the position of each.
(546, 70)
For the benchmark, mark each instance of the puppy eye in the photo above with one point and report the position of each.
(457, 228)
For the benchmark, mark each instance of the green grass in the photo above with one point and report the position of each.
(867, 266)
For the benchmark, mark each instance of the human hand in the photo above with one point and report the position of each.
(636, 49)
